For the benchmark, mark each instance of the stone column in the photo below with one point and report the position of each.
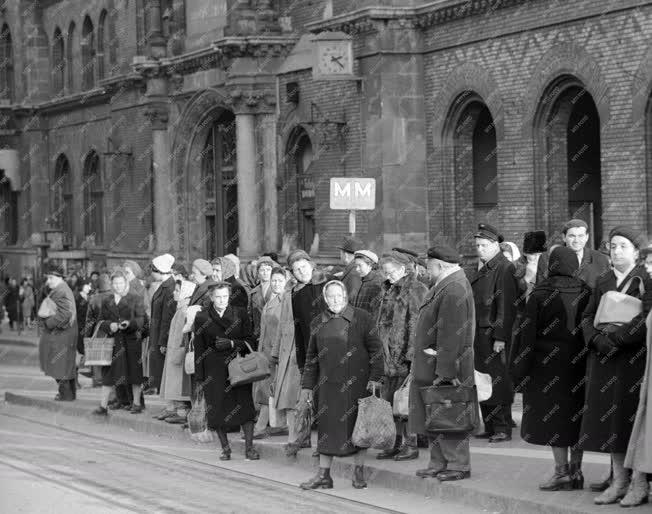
(249, 218)
(269, 175)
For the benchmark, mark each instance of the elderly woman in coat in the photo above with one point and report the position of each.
(175, 384)
(639, 450)
(615, 364)
(58, 344)
(221, 332)
(551, 365)
(122, 314)
(343, 364)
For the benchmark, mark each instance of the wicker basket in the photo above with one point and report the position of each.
(98, 351)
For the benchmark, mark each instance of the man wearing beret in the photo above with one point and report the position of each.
(399, 307)
(593, 264)
(445, 325)
(495, 292)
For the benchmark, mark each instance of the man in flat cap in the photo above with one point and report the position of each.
(163, 309)
(350, 275)
(593, 264)
(495, 292)
(399, 307)
(446, 325)
(371, 286)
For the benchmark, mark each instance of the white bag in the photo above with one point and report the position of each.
(483, 385)
(189, 362)
(401, 403)
(277, 418)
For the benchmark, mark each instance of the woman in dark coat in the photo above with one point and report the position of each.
(221, 331)
(550, 367)
(344, 362)
(122, 314)
(616, 364)
(12, 303)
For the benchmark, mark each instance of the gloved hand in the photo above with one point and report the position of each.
(305, 396)
(603, 345)
(372, 386)
(223, 344)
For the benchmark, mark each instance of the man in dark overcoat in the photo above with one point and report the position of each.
(495, 292)
(163, 309)
(350, 276)
(446, 325)
(593, 264)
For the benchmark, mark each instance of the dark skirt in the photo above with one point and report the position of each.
(612, 393)
(127, 365)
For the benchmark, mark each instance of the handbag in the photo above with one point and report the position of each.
(450, 408)
(189, 362)
(277, 418)
(48, 308)
(248, 369)
(401, 403)
(98, 351)
(618, 308)
(374, 426)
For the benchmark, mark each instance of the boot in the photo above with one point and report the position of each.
(226, 448)
(73, 388)
(392, 452)
(66, 394)
(638, 491)
(560, 480)
(322, 480)
(250, 451)
(577, 478)
(358, 478)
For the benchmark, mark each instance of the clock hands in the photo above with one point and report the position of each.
(337, 60)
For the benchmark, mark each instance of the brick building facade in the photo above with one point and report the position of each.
(129, 127)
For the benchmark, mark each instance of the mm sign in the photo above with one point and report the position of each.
(353, 194)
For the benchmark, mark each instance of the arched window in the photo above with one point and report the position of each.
(8, 212)
(300, 156)
(62, 196)
(93, 199)
(88, 54)
(58, 63)
(112, 41)
(101, 45)
(6, 64)
(70, 57)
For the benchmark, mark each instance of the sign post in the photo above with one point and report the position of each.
(353, 194)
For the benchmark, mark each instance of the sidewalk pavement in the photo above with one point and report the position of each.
(504, 477)
(27, 337)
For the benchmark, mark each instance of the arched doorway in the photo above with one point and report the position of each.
(472, 168)
(301, 187)
(567, 158)
(219, 185)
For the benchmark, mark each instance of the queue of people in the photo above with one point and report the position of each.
(535, 319)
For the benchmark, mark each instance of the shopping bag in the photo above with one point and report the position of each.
(277, 418)
(374, 426)
(197, 422)
(189, 362)
(401, 403)
(303, 423)
(618, 308)
(483, 384)
(48, 308)
(450, 408)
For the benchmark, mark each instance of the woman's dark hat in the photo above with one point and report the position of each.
(535, 242)
(630, 233)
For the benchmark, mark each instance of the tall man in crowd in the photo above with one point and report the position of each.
(399, 308)
(495, 292)
(446, 325)
(593, 264)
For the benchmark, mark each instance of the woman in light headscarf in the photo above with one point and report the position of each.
(175, 384)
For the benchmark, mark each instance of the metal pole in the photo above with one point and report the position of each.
(352, 222)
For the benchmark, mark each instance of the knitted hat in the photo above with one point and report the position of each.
(203, 266)
(367, 254)
(630, 233)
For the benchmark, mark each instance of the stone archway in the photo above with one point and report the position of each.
(567, 157)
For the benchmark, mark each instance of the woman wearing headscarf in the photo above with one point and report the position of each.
(550, 367)
(230, 272)
(122, 314)
(639, 450)
(343, 364)
(175, 384)
(223, 330)
(616, 364)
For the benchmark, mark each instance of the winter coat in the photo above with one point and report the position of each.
(594, 266)
(495, 292)
(397, 318)
(446, 323)
(551, 363)
(239, 295)
(81, 308)
(163, 308)
(307, 303)
(351, 279)
(126, 366)
(287, 384)
(256, 304)
(28, 301)
(58, 343)
(639, 450)
(12, 303)
(613, 381)
(175, 384)
(226, 405)
(344, 353)
(369, 294)
(269, 324)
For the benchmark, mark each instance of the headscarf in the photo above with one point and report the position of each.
(228, 267)
(513, 249)
(563, 263)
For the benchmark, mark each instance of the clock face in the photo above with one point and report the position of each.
(334, 58)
